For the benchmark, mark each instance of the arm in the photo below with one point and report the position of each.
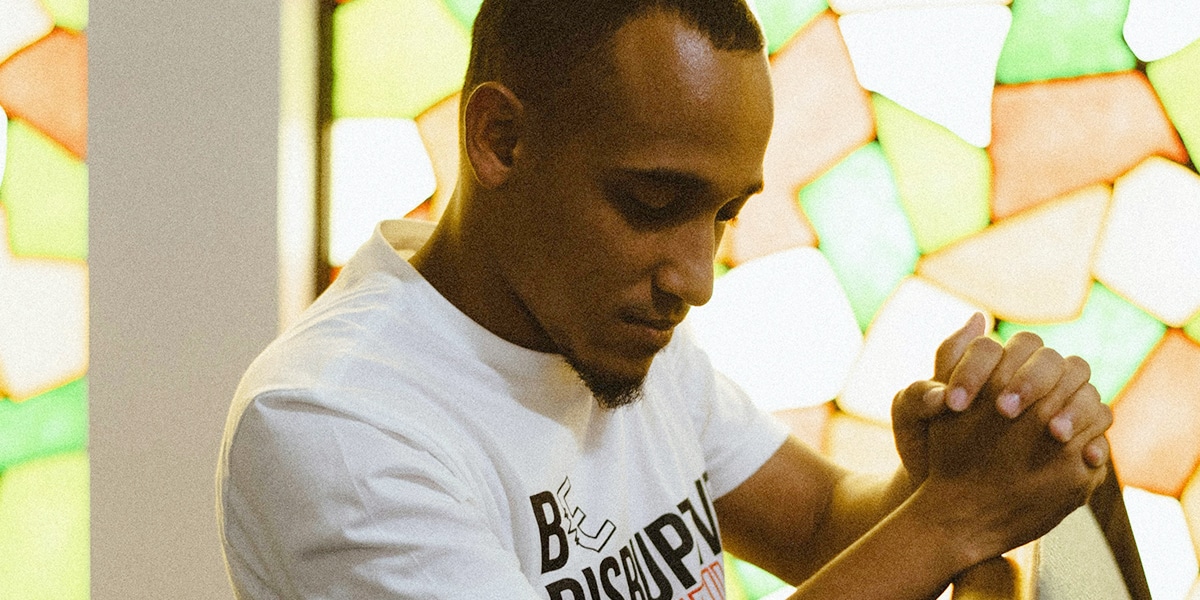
(842, 535)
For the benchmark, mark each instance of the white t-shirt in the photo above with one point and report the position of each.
(388, 446)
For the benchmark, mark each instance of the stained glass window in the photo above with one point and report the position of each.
(1030, 159)
(43, 300)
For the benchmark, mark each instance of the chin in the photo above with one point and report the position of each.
(611, 387)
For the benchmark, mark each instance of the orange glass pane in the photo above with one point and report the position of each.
(1156, 430)
(1032, 268)
(821, 116)
(439, 131)
(861, 445)
(809, 423)
(1051, 138)
(46, 85)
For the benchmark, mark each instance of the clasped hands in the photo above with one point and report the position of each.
(1004, 441)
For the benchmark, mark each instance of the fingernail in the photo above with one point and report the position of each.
(957, 399)
(1009, 404)
(1061, 427)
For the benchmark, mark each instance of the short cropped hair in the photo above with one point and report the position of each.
(535, 47)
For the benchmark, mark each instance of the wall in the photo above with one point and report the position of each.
(183, 116)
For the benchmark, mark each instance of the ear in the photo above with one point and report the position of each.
(491, 122)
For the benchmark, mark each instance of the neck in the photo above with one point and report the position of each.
(459, 261)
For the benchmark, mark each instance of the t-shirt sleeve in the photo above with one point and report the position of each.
(316, 505)
(737, 437)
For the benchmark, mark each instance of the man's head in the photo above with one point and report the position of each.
(539, 47)
(606, 144)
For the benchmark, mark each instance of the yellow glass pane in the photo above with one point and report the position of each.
(72, 14)
(944, 182)
(395, 58)
(1032, 268)
(1176, 78)
(44, 529)
(1192, 329)
(45, 195)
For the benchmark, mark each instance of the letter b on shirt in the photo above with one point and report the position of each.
(550, 530)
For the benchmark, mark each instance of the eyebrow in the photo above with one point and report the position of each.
(680, 179)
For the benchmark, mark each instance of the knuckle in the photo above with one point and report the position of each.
(1079, 365)
(1048, 354)
(1106, 416)
(986, 346)
(1025, 338)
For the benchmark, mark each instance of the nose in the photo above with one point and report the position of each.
(686, 269)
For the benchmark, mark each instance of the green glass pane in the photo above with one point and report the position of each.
(395, 58)
(51, 423)
(755, 581)
(1054, 39)
(44, 529)
(1176, 79)
(45, 193)
(70, 14)
(719, 270)
(1193, 329)
(862, 229)
(781, 19)
(464, 11)
(734, 589)
(1113, 335)
(944, 182)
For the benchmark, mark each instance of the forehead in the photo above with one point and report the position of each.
(669, 100)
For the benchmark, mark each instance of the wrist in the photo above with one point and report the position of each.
(952, 527)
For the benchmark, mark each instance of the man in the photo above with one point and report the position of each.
(515, 415)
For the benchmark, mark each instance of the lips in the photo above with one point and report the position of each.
(648, 334)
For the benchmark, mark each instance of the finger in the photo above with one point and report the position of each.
(972, 372)
(952, 349)
(1017, 352)
(1076, 373)
(912, 408)
(1083, 418)
(921, 401)
(1036, 378)
(1096, 452)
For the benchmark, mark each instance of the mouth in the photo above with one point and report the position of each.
(648, 334)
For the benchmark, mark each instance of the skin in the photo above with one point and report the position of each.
(590, 232)
(593, 239)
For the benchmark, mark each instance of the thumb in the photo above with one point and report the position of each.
(912, 410)
(952, 349)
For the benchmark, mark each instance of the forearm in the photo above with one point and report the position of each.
(859, 502)
(910, 554)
